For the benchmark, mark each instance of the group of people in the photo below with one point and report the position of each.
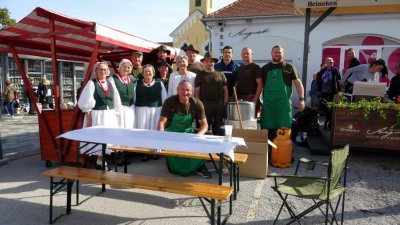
(11, 102)
(192, 99)
(328, 82)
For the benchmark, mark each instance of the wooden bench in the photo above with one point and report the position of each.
(204, 191)
(240, 158)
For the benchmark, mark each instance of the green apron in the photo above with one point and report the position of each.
(179, 165)
(277, 105)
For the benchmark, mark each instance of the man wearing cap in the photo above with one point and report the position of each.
(162, 54)
(211, 89)
(137, 69)
(193, 65)
(229, 68)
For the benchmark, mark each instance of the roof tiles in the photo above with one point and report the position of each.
(249, 8)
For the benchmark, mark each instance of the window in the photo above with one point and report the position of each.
(48, 67)
(11, 64)
(34, 66)
(198, 3)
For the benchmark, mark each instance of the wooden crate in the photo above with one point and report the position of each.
(48, 151)
(374, 133)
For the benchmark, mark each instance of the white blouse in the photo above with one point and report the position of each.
(174, 80)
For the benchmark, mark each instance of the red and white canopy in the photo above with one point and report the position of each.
(74, 39)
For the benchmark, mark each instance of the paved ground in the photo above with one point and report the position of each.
(19, 136)
(373, 193)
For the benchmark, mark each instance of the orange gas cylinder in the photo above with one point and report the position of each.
(282, 155)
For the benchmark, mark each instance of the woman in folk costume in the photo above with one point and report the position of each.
(126, 88)
(150, 95)
(164, 71)
(101, 104)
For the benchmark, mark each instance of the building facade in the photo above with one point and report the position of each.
(371, 34)
(192, 29)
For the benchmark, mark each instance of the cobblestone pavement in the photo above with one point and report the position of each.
(19, 136)
(372, 193)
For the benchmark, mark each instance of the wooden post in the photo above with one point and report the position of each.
(237, 107)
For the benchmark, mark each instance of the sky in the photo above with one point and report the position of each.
(153, 20)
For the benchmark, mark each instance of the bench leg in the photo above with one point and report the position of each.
(103, 163)
(115, 161)
(51, 201)
(221, 166)
(233, 176)
(69, 195)
(77, 192)
(219, 213)
(238, 178)
(212, 212)
(56, 187)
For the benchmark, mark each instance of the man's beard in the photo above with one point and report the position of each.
(277, 60)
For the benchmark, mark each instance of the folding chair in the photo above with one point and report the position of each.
(320, 190)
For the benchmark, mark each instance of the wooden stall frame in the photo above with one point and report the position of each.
(103, 43)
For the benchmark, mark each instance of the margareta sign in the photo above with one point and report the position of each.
(341, 3)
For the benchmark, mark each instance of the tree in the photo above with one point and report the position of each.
(5, 19)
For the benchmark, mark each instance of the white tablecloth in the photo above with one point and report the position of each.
(156, 139)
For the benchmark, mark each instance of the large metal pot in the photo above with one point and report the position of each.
(247, 110)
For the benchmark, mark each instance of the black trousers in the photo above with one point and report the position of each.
(215, 116)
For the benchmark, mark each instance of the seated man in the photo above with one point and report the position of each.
(177, 115)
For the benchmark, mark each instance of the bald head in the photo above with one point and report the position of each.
(184, 91)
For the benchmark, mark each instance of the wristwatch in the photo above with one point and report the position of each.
(301, 99)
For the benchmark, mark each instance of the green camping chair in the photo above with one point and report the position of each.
(321, 190)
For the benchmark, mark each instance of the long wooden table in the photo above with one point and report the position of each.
(182, 142)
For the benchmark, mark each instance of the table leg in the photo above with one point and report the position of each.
(103, 164)
(221, 166)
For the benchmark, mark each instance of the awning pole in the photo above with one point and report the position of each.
(307, 30)
(56, 84)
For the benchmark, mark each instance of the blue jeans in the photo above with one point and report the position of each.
(8, 105)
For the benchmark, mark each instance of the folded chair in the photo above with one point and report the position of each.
(322, 192)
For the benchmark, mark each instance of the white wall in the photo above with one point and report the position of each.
(289, 32)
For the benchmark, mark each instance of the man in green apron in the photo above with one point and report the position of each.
(277, 77)
(177, 115)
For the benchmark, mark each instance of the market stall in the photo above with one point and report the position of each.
(57, 37)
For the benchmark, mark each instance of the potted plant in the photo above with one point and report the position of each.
(369, 124)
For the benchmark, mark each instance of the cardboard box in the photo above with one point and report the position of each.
(256, 165)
